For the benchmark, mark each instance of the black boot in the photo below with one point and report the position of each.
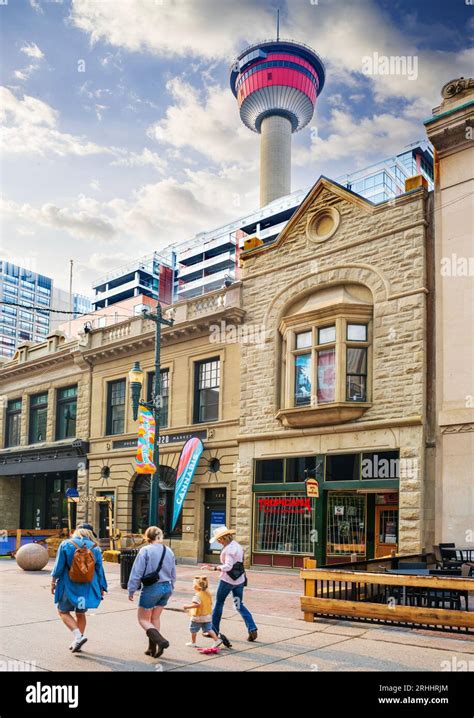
(158, 641)
(151, 648)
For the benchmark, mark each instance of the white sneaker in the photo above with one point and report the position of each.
(217, 643)
(192, 645)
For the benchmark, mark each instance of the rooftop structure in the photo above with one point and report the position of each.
(150, 276)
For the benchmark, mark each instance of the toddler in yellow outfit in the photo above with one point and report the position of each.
(200, 611)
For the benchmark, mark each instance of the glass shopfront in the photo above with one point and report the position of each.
(44, 501)
(356, 512)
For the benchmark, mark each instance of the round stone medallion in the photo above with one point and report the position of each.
(322, 225)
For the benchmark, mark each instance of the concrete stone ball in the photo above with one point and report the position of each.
(32, 557)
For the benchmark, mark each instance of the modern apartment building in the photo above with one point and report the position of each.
(210, 259)
(385, 180)
(25, 298)
(150, 276)
(78, 303)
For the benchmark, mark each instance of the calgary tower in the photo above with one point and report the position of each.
(276, 84)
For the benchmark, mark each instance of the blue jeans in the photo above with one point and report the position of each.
(223, 590)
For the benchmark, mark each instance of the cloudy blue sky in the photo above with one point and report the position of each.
(120, 133)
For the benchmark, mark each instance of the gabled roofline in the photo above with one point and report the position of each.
(325, 183)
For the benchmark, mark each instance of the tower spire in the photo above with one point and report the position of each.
(278, 24)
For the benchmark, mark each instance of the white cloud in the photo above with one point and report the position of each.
(366, 29)
(153, 216)
(221, 28)
(207, 122)
(78, 223)
(379, 136)
(32, 50)
(214, 29)
(140, 159)
(36, 6)
(25, 73)
(29, 126)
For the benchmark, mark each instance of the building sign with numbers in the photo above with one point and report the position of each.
(162, 440)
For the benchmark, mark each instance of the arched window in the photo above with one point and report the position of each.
(326, 356)
(141, 503)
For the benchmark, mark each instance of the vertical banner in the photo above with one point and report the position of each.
(146, 440)
(188, 462)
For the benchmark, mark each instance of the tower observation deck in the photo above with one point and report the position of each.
(276, 83)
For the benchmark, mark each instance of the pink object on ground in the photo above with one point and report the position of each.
(208, 651)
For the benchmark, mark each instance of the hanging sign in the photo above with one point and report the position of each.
(146, 441)
(312, 488)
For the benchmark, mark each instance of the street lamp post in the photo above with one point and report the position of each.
(136, 383)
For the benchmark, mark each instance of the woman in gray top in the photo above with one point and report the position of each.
(153, 598)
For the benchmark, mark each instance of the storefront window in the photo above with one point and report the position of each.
(342, 467)
(66, 413)
(269, 471)
(44, 502)
(346, 524)
(304, 467)
(283, 523)
(38, 417)
(383, 465)
(289, 470)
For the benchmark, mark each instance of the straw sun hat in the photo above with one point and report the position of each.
(220, 532)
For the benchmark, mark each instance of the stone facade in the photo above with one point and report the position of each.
(110, 352)
(40, 368)
(451, 130)
(105, 355)
(384, 249)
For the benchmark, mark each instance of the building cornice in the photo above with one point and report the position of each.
(126, 343)
(353, 427)
(42, 363)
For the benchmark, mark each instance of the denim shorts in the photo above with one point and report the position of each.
(157, 594)
(65, 606)
(195, 626)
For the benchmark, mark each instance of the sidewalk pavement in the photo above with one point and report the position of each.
(30, 631)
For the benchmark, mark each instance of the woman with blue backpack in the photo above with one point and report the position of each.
(78, 581)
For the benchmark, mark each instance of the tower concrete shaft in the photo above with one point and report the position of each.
(275, 158)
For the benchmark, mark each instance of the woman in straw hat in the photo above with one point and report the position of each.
(232, 580)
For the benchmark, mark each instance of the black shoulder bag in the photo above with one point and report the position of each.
(150, 578)
(237, 571)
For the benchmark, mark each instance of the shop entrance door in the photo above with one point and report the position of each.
(386, 530)
(214, 516)
(104, 514)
